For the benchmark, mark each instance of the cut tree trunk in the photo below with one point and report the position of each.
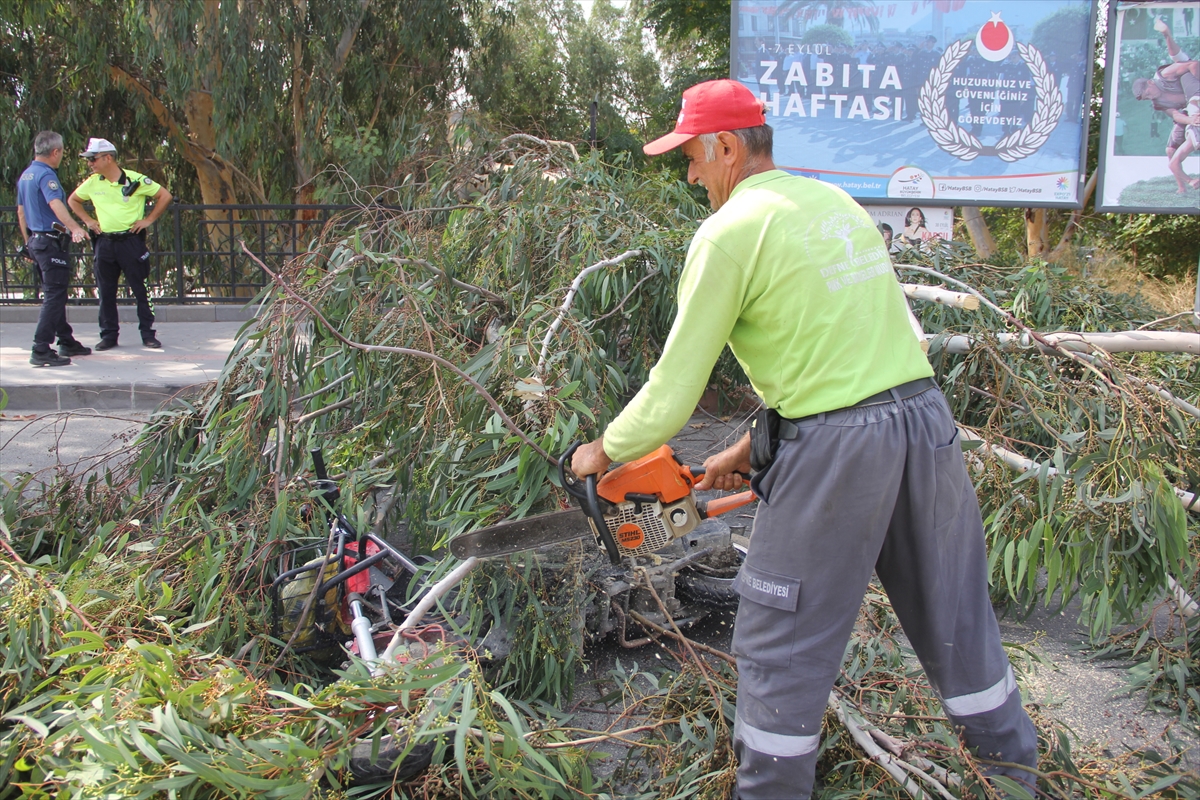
(1037, 232)
(977, 228)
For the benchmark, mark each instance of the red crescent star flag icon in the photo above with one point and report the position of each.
(994, 40)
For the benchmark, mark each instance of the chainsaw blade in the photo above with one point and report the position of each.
(531, 533)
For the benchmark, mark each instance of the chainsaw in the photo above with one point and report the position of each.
(634, 510)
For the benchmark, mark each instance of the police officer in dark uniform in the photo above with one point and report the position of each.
(119, 241)
(41, 207)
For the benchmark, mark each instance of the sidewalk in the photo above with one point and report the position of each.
(196, 342)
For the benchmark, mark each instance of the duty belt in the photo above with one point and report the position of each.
(117, 236)
(61, 237)
(789, 428)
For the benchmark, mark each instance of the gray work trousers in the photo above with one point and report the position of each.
(881, 487)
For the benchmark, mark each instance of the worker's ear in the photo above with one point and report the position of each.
(728, 145)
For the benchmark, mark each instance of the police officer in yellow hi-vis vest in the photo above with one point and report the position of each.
(119, 241)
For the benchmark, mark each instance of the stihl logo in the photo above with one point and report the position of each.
(630, 536)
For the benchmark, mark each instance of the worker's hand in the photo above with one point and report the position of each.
(93, 225)
(590, 459)
(721, 471)
(140, 225)
(78, 234)
(1159, 25)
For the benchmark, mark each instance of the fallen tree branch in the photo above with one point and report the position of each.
(405, 351)
(1187, 605)
(885, 760)
(654, 626)
(1012, 320)
(17, 558)
(490, 297)
(570, 299)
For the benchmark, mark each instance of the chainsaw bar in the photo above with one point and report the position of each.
(531, 533)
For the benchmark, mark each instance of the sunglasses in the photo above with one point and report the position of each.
(90, 159)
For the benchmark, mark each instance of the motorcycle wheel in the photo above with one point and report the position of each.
(714, 587)
(384, 766)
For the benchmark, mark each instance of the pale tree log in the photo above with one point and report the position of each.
(1037, 232)
(1109, 341)
(944, 297)
(977, 229)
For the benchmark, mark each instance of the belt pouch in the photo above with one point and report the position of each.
(764, 438)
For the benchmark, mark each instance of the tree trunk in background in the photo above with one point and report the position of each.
(981, 237)
(198, 142)
(1037, 232)
(307, 131)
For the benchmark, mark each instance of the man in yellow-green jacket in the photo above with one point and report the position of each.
(119, 235)
(857, 465)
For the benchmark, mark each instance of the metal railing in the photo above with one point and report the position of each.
(195, 254)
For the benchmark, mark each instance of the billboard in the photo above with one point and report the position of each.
(1150, 121)
(947, 102)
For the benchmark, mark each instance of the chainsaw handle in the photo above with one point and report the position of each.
(589, 500)
(698, 472)
(572, 486)
(598, 522)
(719, 505)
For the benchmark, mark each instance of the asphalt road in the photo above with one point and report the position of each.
(76, 441)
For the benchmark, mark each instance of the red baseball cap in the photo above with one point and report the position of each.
(711, 107)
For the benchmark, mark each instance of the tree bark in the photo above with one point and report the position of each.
(981, 237)
(1037, 232)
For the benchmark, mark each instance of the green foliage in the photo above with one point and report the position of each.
(1100, 518)
(694, 35)
(1160, 244)
(540, 66)
(265, 96)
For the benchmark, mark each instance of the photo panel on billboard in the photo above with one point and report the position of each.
(1150, 118)
(912, 226)
(950, 102)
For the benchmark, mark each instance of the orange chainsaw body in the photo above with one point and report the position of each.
(653, 502)
(657, 473)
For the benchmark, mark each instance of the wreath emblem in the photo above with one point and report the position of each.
(961, 143)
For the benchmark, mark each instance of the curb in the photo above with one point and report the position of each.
(82, 315)
(136, 396)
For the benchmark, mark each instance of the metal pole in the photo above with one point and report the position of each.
(177, 222)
